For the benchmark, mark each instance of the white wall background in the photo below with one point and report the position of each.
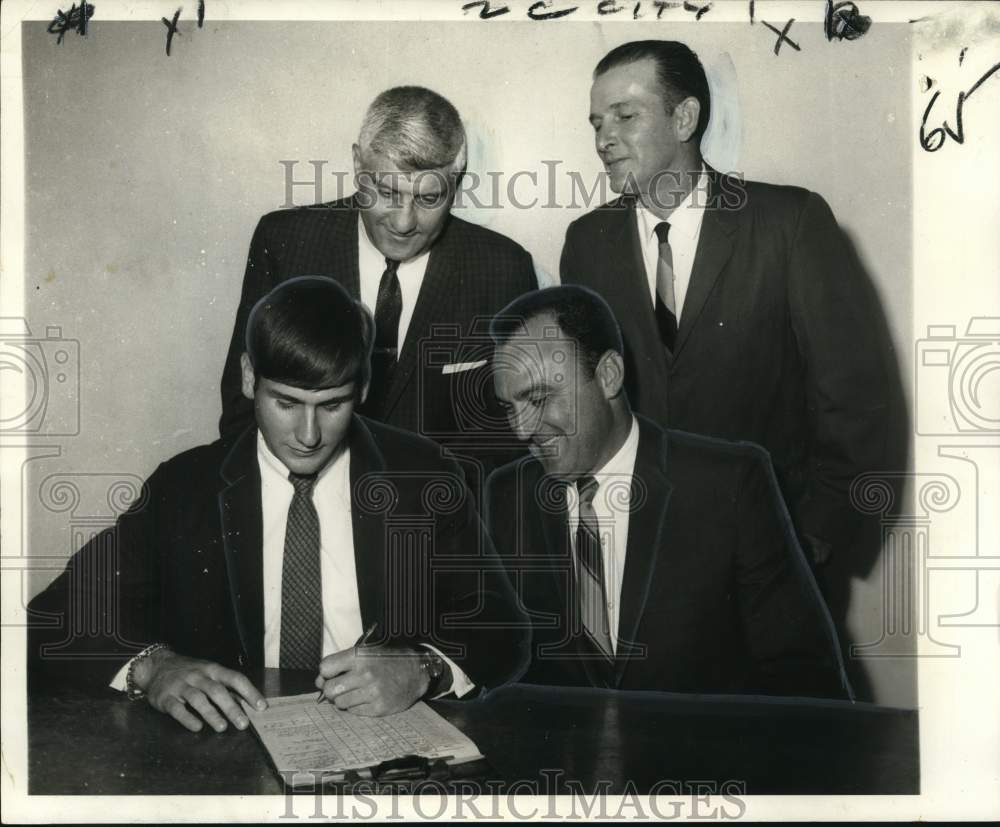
(146, 176)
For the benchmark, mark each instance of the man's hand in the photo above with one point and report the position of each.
(176, 685)
(378, 680)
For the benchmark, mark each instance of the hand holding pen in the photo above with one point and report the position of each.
(361, 641)
(372, 680)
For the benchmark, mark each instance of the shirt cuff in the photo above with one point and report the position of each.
(118, 681)
(460, 683)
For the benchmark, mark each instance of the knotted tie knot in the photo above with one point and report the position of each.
(662, 231)
(303, 483)
(586, 486)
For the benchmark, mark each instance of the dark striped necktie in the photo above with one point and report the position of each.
(301, 581)
(590, 571)
(666, 303)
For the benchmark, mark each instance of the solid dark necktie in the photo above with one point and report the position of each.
(590, 571)
(301, 581)
(388, 309)
(666, 304)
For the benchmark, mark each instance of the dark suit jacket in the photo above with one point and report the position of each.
(780, 341)
(716, 597)
(184, 566)
(471, 274)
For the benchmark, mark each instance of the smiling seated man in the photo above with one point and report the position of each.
(646, 559)
(314, 528)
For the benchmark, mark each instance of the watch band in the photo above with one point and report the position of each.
(439, 678)
(133, 692)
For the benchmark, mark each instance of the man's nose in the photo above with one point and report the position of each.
(606, 136)
(307, 430)
(404, 218)
(523, 423)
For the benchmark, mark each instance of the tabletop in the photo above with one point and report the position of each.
(560, 740)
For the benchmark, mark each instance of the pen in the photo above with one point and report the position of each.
(361, 642)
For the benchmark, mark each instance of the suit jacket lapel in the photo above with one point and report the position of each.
(440, 278)
(242, 539)
(715, 246)
(555, 529)
(369, 507)
(634, 281)
(650, 498)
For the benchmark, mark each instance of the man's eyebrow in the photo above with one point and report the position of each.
(276, 394)
(532, 389)
(614, 107)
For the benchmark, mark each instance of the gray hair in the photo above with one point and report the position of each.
(416, 129)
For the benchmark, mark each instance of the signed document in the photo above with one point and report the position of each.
(305, 737)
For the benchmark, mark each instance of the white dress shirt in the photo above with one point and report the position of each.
(371, 266)
(685, 230)
(611, 505)
(332, 500)
(342, 624)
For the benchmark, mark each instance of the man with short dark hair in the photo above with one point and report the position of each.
(288, 545)
(744, 314)
(426, 275)
(647, 559)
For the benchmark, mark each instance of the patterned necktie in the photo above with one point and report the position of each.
(301, 586)
(590, 571)
(666, 304)
(388, 308)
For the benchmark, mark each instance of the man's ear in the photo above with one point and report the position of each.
(248, 376)
(686, 115)
(610, 372)
(364, 393)
(356, 155)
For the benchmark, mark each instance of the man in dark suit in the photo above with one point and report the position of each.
(743, 312)
(427, 276)
(282, 548)
(646, 559)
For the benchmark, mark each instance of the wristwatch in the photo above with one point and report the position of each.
(438, 674)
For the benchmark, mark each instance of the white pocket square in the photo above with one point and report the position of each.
(458, 367)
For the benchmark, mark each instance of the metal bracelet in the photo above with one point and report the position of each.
(132, 692)
(435, 667)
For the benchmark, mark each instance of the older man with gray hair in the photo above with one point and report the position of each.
(429, 278)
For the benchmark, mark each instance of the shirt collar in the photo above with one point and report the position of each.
(269, 463)
(623, 462)
(686, 219)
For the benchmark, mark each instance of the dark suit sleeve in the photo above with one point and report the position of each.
(788, 633)
(104, 608)
(259, 278)
(837, 326)
(480, 623)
